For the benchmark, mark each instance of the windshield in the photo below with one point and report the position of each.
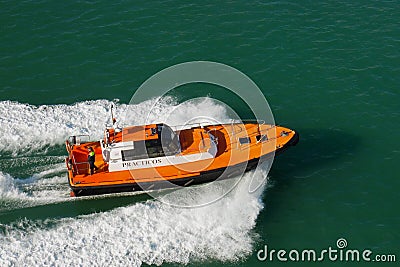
(167, 144)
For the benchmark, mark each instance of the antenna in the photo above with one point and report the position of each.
(114, 120)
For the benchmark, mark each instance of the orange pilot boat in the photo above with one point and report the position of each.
(157, 156)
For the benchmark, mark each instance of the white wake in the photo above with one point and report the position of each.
(29, 128)
(150, 232)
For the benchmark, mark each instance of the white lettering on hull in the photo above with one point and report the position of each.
(132, 164)
(157, 162)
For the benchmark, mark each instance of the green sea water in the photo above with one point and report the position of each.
(329, 69)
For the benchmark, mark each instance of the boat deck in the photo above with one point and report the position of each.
(80, 159)
(236, 144)
(193, 141)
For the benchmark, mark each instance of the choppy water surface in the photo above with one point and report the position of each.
(329, 70)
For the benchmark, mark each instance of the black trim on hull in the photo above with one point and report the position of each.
(204, 177)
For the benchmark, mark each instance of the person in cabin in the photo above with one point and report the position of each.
(91, 160)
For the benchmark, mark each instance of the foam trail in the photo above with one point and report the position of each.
(149, 232)
(33, 191)
(202, 110)
(8, 188)
(27, 127)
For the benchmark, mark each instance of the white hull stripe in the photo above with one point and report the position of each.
(158, 162)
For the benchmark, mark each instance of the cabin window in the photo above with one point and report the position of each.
(138, 152)
(169, 141)
(154, 148)
(261, 138)
(166, 145)
(244, 140)
(128, 154)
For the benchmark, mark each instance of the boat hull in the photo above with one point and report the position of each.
(204, 177)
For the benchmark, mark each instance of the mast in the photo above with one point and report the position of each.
(114, 120)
